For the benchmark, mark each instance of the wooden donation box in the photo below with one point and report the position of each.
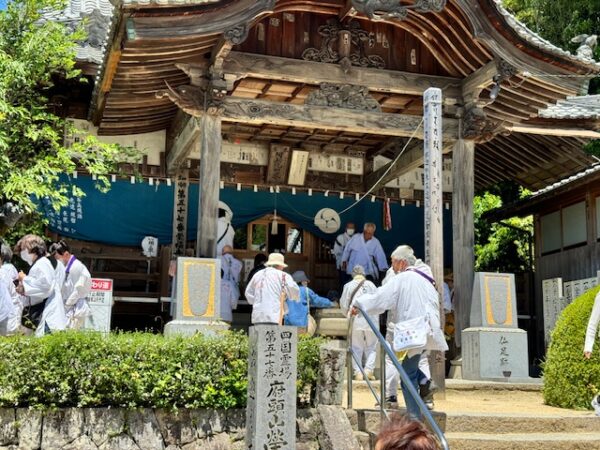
(197, 289)
(493, 346)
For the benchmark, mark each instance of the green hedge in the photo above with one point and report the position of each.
(134, 370)
(570, 381)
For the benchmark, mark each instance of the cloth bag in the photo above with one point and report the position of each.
(410, 334)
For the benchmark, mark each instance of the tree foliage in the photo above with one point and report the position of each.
(570, 381)
(501, 246)
(33, 54)
(559, 21)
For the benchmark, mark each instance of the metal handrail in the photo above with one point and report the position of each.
(403, 376)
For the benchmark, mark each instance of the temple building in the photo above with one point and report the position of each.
(302, 116)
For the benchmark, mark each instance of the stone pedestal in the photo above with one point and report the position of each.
(494, 354)
(197, 287)
(271, 406)
(331, 322)
(456, 369)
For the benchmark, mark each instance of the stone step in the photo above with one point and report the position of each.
(524, 441)
(517, 423)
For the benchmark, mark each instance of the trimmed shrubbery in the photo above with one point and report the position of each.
(570, 381)
(134, 370)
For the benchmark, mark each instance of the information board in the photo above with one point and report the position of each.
(100, 301)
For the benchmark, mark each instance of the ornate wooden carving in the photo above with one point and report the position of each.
(343, 96)
(393, 9)
(237, 34)
(196, 100)
(338, 42)
(477, 126)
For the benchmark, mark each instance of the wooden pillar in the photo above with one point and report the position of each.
(208, 204)
(434, 230)
(463, 231)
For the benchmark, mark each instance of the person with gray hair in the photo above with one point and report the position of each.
(365, 249)
(402, 256)
(409, 294)
(364, 341)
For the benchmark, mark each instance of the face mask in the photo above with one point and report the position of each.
(26, 256)
(350, 232)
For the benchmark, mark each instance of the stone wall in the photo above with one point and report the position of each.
(145, 429)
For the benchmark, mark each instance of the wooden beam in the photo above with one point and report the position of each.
(182, 145)
(478, 81)
(240, 65)
(324, 117)
(463, 231)
(208, 206)
(411, 159)
(554, 131)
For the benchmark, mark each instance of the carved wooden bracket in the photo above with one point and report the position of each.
(196, 100)
(346, 96)
(393, 9)
(477, 126)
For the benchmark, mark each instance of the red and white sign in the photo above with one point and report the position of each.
(100, 284)
(100, 301)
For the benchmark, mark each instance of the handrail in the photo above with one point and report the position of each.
(403, 376)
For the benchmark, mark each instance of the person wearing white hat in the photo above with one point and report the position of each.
(268, 290)
(364, 341)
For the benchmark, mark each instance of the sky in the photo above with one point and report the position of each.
(3, 4)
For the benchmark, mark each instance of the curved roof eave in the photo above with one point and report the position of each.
(535, 40)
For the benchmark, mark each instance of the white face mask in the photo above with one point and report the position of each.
(26, 256)
(350, 231)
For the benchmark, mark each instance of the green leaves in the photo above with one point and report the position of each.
(501, 246)
(33, 54)
(570, 381)
(134, 370)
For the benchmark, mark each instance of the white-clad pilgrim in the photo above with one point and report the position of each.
(268, 290)
(76, 285)
(364, 341)
(6, 307)
(40, 285)
(409, 294)
(364, 249)
(225, 231)
(231, 268)
(340, 244)
(10, 275)
(592, 328)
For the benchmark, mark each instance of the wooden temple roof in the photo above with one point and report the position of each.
(283, 52)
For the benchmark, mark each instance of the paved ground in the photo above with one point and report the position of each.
(481, 398)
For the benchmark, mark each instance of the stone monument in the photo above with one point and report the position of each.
(494, 347)
(553, 303)
(271, 405)
(197, 294)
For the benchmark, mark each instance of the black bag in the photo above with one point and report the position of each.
(32, 315)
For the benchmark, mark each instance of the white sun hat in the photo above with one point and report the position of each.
(276, 259)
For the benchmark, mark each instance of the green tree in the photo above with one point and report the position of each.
(33, 54)
(501, 246)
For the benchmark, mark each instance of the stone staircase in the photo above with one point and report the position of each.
(491, 416)
(497, 431)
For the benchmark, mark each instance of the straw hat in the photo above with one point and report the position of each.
(276, 259)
